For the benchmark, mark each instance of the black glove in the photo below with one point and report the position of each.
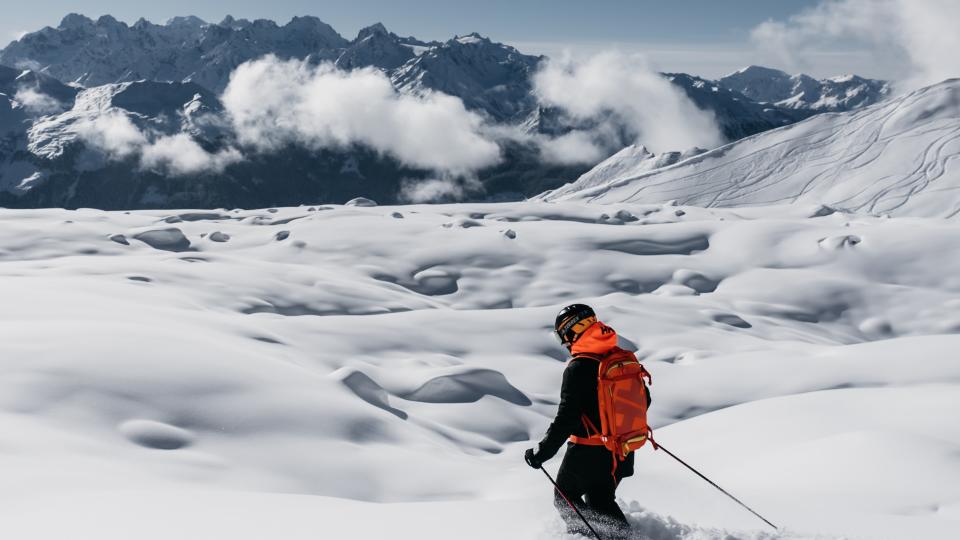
(531, 458)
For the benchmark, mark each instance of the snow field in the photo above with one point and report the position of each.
(348, 370)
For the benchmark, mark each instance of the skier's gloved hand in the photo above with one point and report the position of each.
(531, 458)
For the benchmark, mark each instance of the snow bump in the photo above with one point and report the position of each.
(171, 239)
(156, 435)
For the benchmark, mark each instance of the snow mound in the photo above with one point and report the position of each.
(156, 435)
(362, 202)
(169, 239)
(899, 157)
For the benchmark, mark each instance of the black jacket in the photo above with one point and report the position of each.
(578, 396)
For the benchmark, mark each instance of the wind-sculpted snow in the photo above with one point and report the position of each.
(900, 157)
(345, 368)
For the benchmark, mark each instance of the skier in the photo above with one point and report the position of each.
(586, 476)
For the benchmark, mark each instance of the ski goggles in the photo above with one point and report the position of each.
(574, 326)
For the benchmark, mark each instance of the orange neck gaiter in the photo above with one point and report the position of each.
(598, 339)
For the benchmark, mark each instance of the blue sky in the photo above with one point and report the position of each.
(706, 37)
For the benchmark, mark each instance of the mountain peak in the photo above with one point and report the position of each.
(75, 20)
(107, 20)
(373, 29)
(307, 22)
(759, 71)
(186, 22)
(230, 22)
(471, 38)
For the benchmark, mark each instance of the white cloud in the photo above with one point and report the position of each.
(572, 148)
(273, 103)
(918, 39)
(437, 189)
(113, 133)
(32, 65)
(37, 102)
(180, 154)
(659, 114)
(119, 138)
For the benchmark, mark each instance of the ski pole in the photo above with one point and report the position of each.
(564, 495)
(684, 463)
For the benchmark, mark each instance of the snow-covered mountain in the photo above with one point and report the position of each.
(899, 157)
(116, 145)
(25, 97)
(801, 91)
(629, 162)
(377, 47)
(38, 92)
(92, 53)
(14, 170)
(738, 115)
(487, 76)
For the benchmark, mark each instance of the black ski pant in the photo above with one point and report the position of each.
(586, 478)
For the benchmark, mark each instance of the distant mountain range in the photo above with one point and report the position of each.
(801, 91)
(165, 78)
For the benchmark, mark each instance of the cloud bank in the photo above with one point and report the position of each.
(119, 138)
(37, 102)
(919, 38)
(272, 103)
(623, 88)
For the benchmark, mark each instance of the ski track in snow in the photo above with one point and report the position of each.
(897, 157)
(368, 370)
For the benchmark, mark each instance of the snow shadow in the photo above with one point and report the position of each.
(368, 390)
(170, 239)
(641, 246)
(467, 387)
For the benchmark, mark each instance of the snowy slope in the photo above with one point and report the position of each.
(17, 171)
(48, 94)
(160, 107)
(631, 161)
(899, 157)
(357, 371)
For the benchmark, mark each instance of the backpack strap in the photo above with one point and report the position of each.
(588, 425)
(594, 437)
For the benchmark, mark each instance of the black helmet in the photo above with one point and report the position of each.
(572, 321)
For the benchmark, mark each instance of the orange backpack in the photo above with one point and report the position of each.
(623, 397)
